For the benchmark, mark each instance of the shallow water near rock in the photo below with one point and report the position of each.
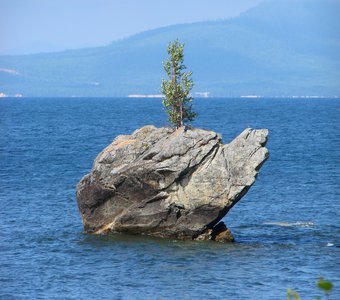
(286, 227)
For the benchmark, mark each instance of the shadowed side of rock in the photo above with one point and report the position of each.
(169, 183)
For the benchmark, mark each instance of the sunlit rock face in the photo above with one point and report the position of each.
(170, 183)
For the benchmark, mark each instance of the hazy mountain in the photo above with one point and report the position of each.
(281, 47)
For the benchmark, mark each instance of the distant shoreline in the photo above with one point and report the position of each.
(155, 96)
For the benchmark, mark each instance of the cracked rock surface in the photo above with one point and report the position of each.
(170, 183)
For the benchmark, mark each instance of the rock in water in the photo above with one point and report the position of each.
(170, 183)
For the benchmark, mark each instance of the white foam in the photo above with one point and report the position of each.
(291, 224)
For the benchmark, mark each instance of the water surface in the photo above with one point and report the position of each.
(286, 227)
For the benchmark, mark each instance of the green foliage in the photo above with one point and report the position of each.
(291, 293)
(176, 89)
(325, 285)
(322, 284)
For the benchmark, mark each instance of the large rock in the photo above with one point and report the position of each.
(170, 183)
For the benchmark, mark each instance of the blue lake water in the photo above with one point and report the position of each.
(47, 145)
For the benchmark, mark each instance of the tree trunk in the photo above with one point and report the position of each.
(181, 113)
(178, 106)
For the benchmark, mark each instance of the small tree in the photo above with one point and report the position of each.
(176, 89)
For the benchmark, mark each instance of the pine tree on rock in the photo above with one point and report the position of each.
(178, 100)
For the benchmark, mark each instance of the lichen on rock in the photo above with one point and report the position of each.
(170, 183)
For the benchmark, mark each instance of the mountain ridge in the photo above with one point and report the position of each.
(278, 48)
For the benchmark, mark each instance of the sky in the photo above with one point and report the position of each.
(33, 26)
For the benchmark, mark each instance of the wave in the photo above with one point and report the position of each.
(291, 224)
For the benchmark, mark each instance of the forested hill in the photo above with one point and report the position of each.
(279, 48)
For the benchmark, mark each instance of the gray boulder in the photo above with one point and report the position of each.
(170, 183)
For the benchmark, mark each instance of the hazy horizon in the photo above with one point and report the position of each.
(35, 26)
(278, 48)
